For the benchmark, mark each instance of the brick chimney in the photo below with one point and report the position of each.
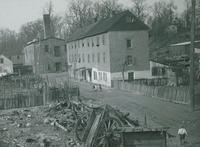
(47, 26)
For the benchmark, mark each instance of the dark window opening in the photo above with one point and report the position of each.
(128, 43)
(98, 57)
(93, 58)
(88, 58)
(158, 71)
(65, 48)
(129, 60)
(49, 68)
(131, 76)
(83, 58)
(104, 57)
(46, 48)
(57, 51)
(97, 41)
(1, 61)
(103, 39)
(58, 66)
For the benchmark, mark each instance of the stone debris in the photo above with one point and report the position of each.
(45, 126)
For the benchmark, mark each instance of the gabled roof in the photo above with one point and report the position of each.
(115, 23)
(12, 52)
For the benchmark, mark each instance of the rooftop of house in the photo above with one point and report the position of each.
(12, 52)
(4, 56)
(115, 23)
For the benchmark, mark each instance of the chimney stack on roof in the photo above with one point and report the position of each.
(47, 26)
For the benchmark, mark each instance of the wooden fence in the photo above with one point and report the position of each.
(22, 100)
(150, 82)
(21, 91)
(172, 94)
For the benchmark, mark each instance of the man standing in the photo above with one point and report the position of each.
(182, 134)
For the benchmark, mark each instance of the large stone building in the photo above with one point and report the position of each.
(46, 55)
(6, 66)
(110, 48)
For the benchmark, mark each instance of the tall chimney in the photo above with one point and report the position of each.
(47, 26)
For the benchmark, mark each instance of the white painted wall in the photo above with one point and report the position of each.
(6, 67)
(137, 75)
(102, 82)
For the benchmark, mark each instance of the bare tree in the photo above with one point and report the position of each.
(106, 8)
(123, 66)
(163, 15)
(187, 13)
(140, 9)
(79, 14)
(31, 30)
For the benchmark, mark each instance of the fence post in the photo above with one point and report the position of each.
(44, 93)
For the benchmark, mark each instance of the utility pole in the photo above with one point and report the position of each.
(192, 95)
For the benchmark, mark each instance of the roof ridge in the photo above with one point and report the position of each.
(107, 24)
(122, 13)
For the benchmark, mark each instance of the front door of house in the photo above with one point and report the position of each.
(131, 76)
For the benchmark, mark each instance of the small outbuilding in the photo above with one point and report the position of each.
(6, 66)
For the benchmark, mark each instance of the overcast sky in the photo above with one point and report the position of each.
(14, 13)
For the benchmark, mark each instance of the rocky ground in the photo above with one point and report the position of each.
(35, 127)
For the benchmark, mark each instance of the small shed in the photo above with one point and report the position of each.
(6, 66)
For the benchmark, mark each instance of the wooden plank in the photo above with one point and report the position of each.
(93, 130)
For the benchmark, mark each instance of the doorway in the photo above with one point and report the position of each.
(131, 76)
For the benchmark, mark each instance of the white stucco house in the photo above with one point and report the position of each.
(6, 66)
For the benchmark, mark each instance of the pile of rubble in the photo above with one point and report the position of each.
(39, 126)
(47, 126)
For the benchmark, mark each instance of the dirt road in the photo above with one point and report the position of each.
(159, 113)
